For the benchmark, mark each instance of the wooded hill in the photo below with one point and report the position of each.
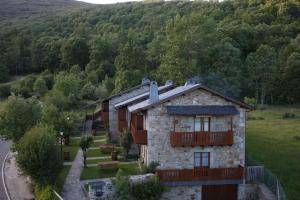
(241, 48)
(19, 9)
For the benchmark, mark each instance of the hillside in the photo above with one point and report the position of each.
(241, 48)
(11, 9)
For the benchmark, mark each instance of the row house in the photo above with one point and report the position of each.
(197, 137)
(113, 113)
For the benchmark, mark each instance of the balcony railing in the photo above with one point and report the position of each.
(201, 174)
(122, 125)
(182, 139)
(139, 136)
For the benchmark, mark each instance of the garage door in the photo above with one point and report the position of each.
(219, 192)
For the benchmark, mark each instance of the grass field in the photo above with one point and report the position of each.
(72, 148)
(275, 142)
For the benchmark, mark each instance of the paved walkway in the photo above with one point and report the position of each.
(72, 189)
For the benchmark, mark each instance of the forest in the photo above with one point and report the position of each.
(248, 48)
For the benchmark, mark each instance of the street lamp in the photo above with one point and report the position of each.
(61, 133)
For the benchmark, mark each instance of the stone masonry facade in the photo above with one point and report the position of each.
(159, 148)
(113, 114)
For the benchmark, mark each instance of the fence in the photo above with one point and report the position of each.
(258, 173)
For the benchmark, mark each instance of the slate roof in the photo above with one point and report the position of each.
(202, 110)
(144, 105)
(126, 91)
(143, 96)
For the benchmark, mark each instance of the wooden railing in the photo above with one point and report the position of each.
(139, 136)
(201, 174)
(181, 139)
(122, 125)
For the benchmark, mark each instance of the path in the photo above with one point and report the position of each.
(72, 189)
(4, 148)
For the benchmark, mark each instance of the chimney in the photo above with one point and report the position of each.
(189, 83)
(169, 82)
(153, 96)
(145, 81)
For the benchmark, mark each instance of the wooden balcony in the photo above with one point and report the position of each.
(139, 136)
(201, 174)
(191, 139)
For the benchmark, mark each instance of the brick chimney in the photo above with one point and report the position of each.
(153, 96)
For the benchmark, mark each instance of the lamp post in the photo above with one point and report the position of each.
(61, 133)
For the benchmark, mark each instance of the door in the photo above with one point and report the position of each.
(219, 192)
(201, 164)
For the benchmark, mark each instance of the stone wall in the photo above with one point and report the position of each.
(113, 114)
(159, 148)
(182, 193)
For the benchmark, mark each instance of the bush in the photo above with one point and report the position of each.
(250, 101)
(44, 192)
(151, 189)
(288, 115)
(126, 141)
(122, 185)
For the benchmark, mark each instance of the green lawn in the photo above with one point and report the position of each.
(97, 161)
(72, 148)
(95, 172)
(275, 142)
(96, 153)
(60, 180)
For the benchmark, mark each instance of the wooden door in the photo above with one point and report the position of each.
(219, 192)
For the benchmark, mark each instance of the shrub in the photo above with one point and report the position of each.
(44, 192)
(122, 185)
(151, 189)
(126, 141)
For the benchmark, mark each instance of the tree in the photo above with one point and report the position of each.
(88, 91)
(126, 141)
(40, 86)
(85, 143)
(122, 184)
(75, 51)
(67, 83)
(56, 98)
(261, 66)
(4, 76)
(18, 115)
(38, 154)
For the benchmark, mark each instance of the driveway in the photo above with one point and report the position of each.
(4, 148)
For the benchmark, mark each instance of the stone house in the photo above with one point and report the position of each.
(197, 137)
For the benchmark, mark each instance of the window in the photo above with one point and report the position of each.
(202, 124)
(201, 159)
(197, 124)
